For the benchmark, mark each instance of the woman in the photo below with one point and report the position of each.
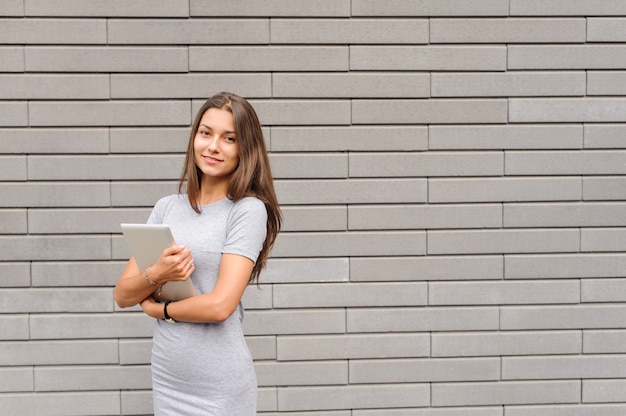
(225, 226)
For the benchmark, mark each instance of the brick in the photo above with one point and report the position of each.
(505, 343)
(110, 113)
(351, 85)
(429, 111)
(333, 244)
(353, 397)
(511, 189)
(567, 8)
(430, 8)
(424, 370)
(604, 188)
(355, 138)
(35, 248)
(54, 194)
(55, 31)
(105, 167)
(135, 351)
(563, 367)
(58, 404)
(609, 341)
(258, 297)
(447, 411)
(352, 191)
(303, 112)
(422, 319)
(507, 30)
(562, 317)
(327, 218)
(356, 346)
(564, 215)
(12, 58)
(305, 271)
(302, 373)
(505, 137)
(90, 326)
(52, 301)
(600, 162)
(14, 274)
(16, 380)
(503, 241)
(427, 58)
(312, 321)
(349, 295)
(604, 135)
(188, 31)
(426, 164)
(267, 399)
(349, 31)
(12, 8)
(505, 393)
(568, 57)
(51, 141)
(557, 266)
(147, 86)
(262, 347)
(146, 194)
(13, 221)
(58, 352)
(603, 290)
(136, 402)
(602, 239)
(77, 378)
(567, 110)
(504, 293)
(509, 84)
(565, 410)
(268, 58)
(606, 83)
(105, 8)
(270, 8)
(363, 217)
(13, 114)
(14, 327)
(82, 221)
(106, 59)
(426, 268)
(13, 168)
(149, 140)
(297, 166)
(606, 29)
(604, 391)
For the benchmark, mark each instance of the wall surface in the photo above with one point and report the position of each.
(452, 175)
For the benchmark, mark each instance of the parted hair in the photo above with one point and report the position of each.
(253, 175)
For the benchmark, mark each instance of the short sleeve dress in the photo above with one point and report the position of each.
(206, 369)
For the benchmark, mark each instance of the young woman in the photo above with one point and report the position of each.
(225, 227)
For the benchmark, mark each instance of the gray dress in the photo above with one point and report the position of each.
(206, 369)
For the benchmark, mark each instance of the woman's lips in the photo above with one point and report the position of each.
(211, 160)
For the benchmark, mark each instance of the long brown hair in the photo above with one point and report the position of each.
(253, 176)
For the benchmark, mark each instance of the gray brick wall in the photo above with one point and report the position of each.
(452, 175)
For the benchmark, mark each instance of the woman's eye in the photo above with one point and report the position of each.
(230, 139)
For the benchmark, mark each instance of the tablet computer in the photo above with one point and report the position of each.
(147, 242)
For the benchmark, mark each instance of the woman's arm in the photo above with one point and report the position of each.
(215, 306)
(132, 287)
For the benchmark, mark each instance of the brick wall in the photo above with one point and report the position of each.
(452, 175)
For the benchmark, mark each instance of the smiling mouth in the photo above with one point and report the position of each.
(210, 159)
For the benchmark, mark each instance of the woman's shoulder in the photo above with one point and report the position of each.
(249, 203)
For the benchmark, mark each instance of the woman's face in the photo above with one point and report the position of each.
(216, 149)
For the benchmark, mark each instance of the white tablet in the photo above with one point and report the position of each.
(147, 242)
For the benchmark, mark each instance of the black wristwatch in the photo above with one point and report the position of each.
(168, 318)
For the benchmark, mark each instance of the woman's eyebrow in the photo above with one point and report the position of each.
(210, 128)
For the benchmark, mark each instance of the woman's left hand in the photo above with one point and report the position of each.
(152, 308)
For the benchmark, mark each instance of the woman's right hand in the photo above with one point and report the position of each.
(175, 263)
